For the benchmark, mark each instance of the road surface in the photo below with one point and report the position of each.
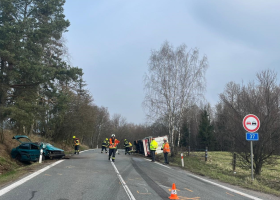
(91, 175)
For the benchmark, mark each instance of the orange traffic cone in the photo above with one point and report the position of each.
(173, 192)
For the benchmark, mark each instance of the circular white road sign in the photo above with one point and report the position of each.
(251, 123)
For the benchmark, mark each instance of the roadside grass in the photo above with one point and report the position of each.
(11, 169)
(219, 166)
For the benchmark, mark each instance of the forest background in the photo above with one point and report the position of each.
(42, 94)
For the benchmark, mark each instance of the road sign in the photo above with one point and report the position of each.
(252, 136)
(251, 123)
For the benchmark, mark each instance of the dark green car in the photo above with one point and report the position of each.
(30, 151)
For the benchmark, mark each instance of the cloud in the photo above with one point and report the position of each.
(251, 22)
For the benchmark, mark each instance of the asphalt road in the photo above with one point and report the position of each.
(91, 175)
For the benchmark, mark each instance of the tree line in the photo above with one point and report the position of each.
(41, 93)
(174, 88)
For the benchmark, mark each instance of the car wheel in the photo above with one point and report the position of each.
(18, 157)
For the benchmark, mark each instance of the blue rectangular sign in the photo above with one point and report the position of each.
(252, 136)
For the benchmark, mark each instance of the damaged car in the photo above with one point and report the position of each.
(30, 151)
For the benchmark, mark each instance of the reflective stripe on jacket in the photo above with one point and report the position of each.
(126, 143)
(113, 143)
(153, 145)
(104, 144)
(77, 142)
(165, 147)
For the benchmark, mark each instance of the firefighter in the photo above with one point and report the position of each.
(130, 147)
(113, 142)
(126, 145)
(76, 145)
(166, 150)
(104, 145)
(153, 148)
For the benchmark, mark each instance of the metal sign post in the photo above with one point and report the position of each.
(252, 161)
(251, 123)
(252, 137)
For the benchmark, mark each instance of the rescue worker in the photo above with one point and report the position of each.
(76, 145)
(113, 142)
(130, 147)
(166, 150)
(126, 145)
(153, 148)
(104, 145)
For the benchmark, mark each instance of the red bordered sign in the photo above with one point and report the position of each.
(251, 123)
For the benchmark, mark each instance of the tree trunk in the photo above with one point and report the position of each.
(258, 168)
(2, 134)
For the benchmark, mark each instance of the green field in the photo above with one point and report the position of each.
(219, 166)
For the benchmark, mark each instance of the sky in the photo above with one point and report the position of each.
(112, 42)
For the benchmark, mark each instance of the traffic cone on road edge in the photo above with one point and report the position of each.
(173, 192)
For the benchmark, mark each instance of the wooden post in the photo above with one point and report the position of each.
(234, 162)
(206, 153)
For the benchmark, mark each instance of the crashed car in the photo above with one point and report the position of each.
(30, 151)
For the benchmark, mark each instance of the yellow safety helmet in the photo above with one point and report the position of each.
(124, 139)
(106, 138)
(74, 136)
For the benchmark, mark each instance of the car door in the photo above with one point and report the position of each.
(24, 150)
(34, 152)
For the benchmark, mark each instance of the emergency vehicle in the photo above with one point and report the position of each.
(143, 146)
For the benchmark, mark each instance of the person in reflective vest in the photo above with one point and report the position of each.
(153, 148)
(126, 145)
(130, 147)
(76, 145)
(166, 150)
(104, 145)
(113, 142)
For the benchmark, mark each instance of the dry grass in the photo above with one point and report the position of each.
(10, 168)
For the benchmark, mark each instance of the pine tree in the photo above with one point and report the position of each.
(205, 134)
(31, 53)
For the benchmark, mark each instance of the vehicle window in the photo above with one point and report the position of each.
(34, 146)
(24, 146)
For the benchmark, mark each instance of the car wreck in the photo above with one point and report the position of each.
(30, 151)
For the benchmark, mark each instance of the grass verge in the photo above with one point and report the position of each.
(11, 169)
(219, 166)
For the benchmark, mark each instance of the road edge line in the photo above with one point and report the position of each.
(128, 192)
(226, 188)
(18, 183)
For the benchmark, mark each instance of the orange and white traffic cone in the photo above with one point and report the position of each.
(173, 192)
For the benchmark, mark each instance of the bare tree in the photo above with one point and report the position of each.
(103, 117)
(261, 99)
(175, 80)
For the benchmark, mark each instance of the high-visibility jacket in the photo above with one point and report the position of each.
(113, 143)
(130, 145)
(153, 145)
(105, 143)
(126, 143)
(165, 147)
(76, 141)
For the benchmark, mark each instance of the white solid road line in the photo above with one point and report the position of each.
(128, 192)
(226, 188)
(158, 163)
(162, 165)
(18, 183)
(221, 186)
